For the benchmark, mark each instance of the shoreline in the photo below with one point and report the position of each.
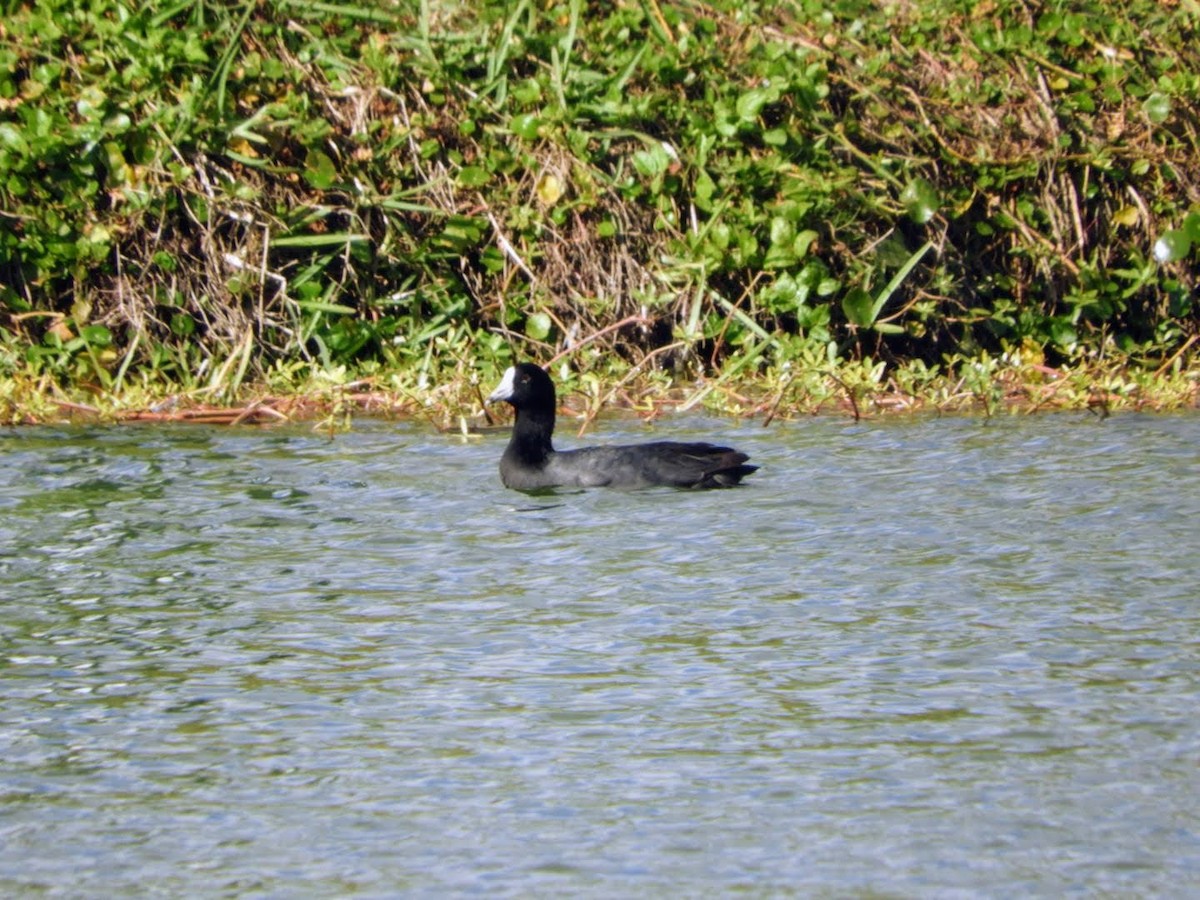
(457, 405)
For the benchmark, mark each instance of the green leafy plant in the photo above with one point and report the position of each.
(234, 189)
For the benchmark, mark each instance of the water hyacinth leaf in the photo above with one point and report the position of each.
(1172, 246)
(1157, 107)
(920, 200)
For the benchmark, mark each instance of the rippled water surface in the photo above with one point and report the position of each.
(916, 658)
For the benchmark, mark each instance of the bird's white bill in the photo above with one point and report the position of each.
(504, 389)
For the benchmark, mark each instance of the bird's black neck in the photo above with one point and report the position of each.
(531, 436)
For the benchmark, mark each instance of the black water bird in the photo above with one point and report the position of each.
(530, 461)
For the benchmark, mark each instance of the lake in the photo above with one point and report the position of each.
(910, 658)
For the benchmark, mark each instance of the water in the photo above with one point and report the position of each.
(912, 658)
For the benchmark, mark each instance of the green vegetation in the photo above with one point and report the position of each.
(838, 202)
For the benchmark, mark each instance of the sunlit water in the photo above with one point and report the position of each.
(916, 658)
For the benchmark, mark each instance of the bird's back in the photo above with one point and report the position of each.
(670, 463)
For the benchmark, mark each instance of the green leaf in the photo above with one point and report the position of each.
(781, 253)
(862, 310)
(96, 335)
(898, 279)
(182, 324)
(318, 240)
(1126, 215)
(750, 104)
(1172, 246)
(114, 161)
(324, 307)
(804, 240)
(460, 233)
(473, 176)
(537, 326)
(920, 200)
(1157, 107)
(703, 190)
(11, 139)
(527, 92)
(549, 189)
(526, 126)
(319, 170)
(858, 306)
(1191, 227)
(1063, 333)
(652, 162)
(324, 11)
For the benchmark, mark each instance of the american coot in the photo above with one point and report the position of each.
(530, 461)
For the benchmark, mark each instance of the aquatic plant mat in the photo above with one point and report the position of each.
(770, 207)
